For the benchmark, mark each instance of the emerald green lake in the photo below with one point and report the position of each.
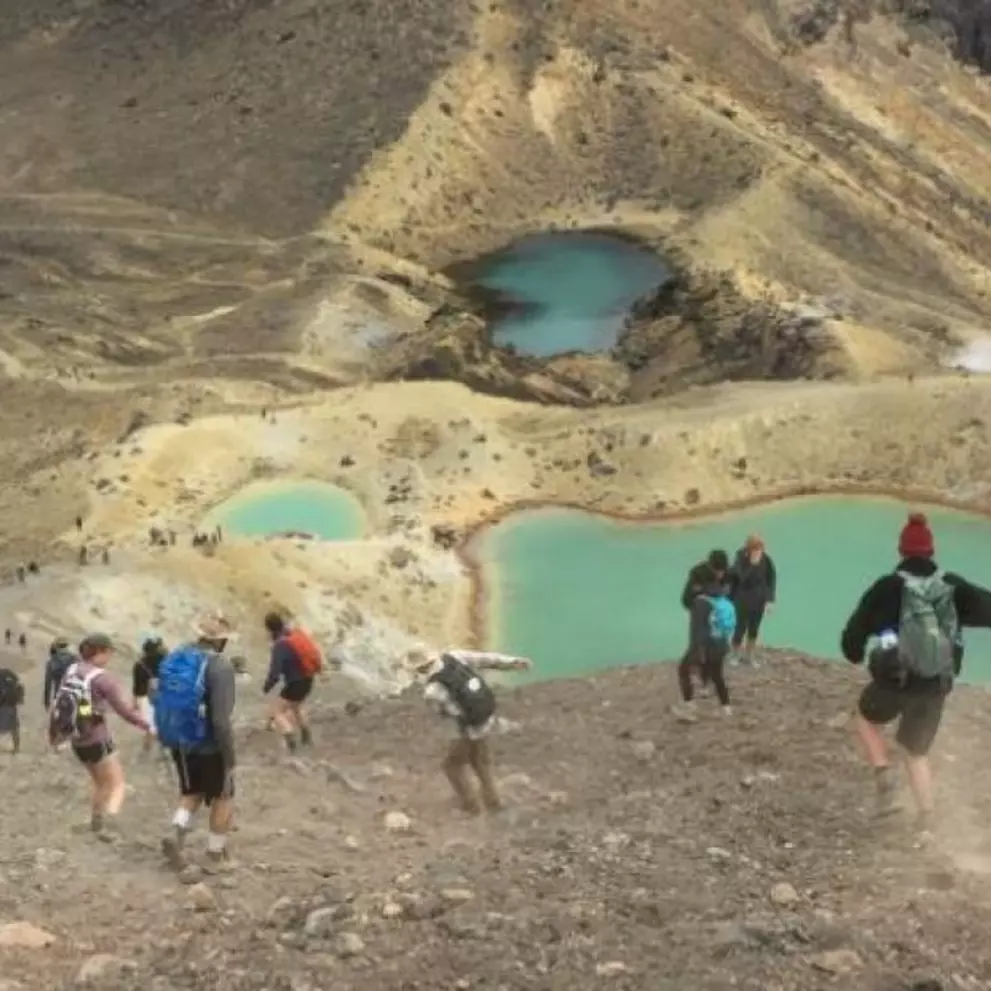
(564, 291)
(270, 508)
(578, 592)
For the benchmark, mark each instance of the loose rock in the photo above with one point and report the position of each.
(397, 822)
(837, 962)
(201, 897)
(784, 894)
(24, 936)
(349, 945)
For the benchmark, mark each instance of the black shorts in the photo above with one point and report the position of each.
(918, 713)
(93, 753)
(203, 776)
(748, 620)
(296, 691)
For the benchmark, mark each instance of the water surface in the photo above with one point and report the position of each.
(579, 592)
(267, 509)
(562, 292)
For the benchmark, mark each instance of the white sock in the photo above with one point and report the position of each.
(216, 842)
(182, 819)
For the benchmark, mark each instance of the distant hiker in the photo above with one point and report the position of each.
(295, 661)
(22, 641)
(21, 573)
(700, 577)
(753, 581)
(194, 708)
(917, 612)
(220, 534)
(144, 675)
(7, 636)
(33, 567)
(172, 538)
(454, 685)
(106, 556)
(60, 659)
(83, 554)
(11, 699)
(79, 716)
(79, 524)
(712, 625)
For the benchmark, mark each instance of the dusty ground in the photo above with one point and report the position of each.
(634, 853)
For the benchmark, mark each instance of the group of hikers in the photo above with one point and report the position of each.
(912, 616)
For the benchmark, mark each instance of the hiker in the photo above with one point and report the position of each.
(296, 660)
(60, 659)
(701, 576)
(7, 636)
(11, 699)
(753, 582)
(143, 677)
(79, 524)
(22, 641)
(194, 707)
(916, 612)
(105, 556)
(460, 693)
(79, 715)
(712, 624)
(21, 573)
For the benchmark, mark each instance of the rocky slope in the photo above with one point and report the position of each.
(634, 852)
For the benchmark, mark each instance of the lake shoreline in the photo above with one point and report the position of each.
(480, 594)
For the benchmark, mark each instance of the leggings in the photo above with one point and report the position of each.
(713, 658)
(748, 620)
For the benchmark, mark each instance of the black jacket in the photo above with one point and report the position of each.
(879, 608)
(699, 579)
(753, 585)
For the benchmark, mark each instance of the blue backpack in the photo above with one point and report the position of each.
(180, 701)
(722, 618)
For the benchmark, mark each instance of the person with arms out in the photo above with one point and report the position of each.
(194, 710)
(79, 716)
(753, 582)
(144, 676)
(454, 685)
(917, 612)
(712, 623)
(60, 659)
(11, 700)
(296, 660)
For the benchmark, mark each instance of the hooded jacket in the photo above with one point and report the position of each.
(879, 608)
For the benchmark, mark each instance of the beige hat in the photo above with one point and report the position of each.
(214, 626)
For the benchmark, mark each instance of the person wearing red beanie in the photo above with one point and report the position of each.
(917, 613)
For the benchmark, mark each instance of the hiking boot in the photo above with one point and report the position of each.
(925, 824)
(685, 713)
(218, 863)
(305, 737)
(726, 710)
(172, 851)
(887, 792)
(107, 830)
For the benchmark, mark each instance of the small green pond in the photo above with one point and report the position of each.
(268, 509)
(579, 592)
(563, 291)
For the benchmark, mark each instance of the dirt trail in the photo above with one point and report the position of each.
(634, 852)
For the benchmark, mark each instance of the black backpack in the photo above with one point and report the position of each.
(11, 689)
(467, 690)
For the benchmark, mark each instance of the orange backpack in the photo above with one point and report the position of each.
(307, 652)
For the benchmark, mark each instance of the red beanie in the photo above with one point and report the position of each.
(916, 538)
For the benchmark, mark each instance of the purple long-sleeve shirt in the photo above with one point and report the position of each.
(107, 694)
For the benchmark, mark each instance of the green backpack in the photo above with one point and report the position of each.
(928, 627)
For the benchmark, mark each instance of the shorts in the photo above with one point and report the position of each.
(91, 754)
(476, 732)
(918, 713)
(748, 620)
(296, 691)
(203, 776)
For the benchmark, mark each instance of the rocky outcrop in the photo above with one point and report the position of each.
(699, 328)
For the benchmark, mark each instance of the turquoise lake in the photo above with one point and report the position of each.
(269, 508)
(578, 592)
(566, 291)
